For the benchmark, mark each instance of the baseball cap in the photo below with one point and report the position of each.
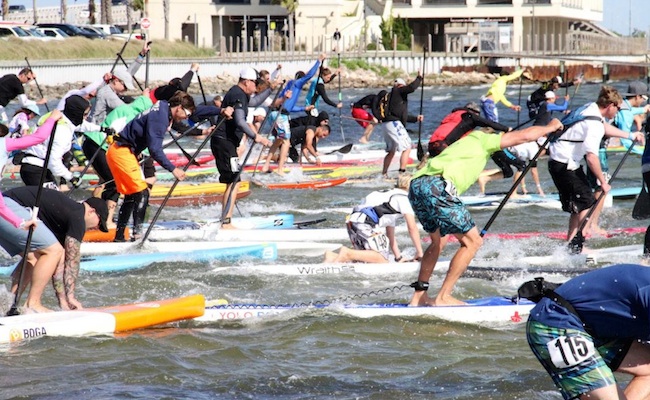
(33, 108)
(125, 77)
(399, 81)
(472, 106)
(637, 88)
(248, 73)
(557, 79)
(550, 94)
(101, 209)
(259, 112)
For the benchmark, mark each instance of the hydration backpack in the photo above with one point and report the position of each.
(571, 119)
(380, 105)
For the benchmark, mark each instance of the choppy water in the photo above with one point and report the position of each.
(310, 354)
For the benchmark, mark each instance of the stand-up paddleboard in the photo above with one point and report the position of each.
(124, 262)
(187, 189)
(477, 311)
(96, 235)
(559, 235)
(303, 249)
(549, 200)
(137, 259)
(315, 184)
(196, 200)
(100, 321)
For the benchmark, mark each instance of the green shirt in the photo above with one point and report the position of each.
(119, 117)
(463, 161)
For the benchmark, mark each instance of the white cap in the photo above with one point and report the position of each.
(248, 73)
(550, 94)
(557, 79)
(399, 81)
(125, 77)
(259, 112)
(33, 108)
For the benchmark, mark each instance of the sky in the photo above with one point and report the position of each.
(616, 12)
(617, 15)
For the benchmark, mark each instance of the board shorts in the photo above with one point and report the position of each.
(576, 361)
(282, 125)
(362, 116)
(436, 208)
(14, 240)
(575, 193)
(367, 236)
(225, 157)
(124, 165)
(396, 136)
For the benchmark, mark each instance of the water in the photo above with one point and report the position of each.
(312, 354)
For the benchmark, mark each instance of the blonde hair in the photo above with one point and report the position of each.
(403, 181)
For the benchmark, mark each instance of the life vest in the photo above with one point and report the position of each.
(447, 125)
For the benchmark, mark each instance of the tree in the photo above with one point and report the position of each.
(91, 12)
(395, 27)
(5, 7)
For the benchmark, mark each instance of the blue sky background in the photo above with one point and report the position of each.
(616, 12)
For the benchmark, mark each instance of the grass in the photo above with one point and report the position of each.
(81, 48)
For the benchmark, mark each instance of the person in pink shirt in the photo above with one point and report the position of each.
(15, 221)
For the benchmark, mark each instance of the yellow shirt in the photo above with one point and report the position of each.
(498, 88)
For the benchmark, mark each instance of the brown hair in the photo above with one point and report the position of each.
(182, 99)
(25, 71)
(608, 95)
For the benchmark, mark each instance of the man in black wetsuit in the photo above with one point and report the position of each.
(307, 137)
(362, 113)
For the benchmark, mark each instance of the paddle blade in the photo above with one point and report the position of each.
(420, 151)
(344, 150)
(641, 208)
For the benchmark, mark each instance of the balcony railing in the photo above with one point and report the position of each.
(493, 2)
(445, 2)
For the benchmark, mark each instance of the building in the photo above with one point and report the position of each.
(499, 26)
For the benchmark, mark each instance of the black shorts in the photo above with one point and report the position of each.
(575, 193)
(506, 163)
(224, 152)
(148, 168)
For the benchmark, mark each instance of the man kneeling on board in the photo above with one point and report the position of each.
(379, 209)
(68, 221)
(434, 194)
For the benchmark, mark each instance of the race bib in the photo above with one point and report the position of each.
(568, 351)
(234, 164)
(378, 242)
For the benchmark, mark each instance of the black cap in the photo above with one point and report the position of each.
(101, 209)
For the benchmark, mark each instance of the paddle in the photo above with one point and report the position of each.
(119, 55)
(641, 209)
(127, 68)
(198, 78)
(146, 69)
(36, 82)
(14, 307)
(88, 165)
(514, 187)
(176, 181)
(521, 81)
(577, 242)
(190, 160)
(343, 150)
(340, 97)
(420, 150)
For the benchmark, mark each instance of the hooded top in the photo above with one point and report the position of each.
(75, 107)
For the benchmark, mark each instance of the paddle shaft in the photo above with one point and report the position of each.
(176, 181)
(420, 151)
(119, 55)
(529, 165)
(338, 55)
(127, 68)
(198, 78)
(36, 82)
(521, 82)
(88, 165)
(602, 194)
(14, 307)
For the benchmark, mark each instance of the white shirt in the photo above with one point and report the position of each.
(396, 198)
(62, 144)
(582, 138)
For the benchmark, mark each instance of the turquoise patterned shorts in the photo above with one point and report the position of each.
(435, 208)
(577, 362)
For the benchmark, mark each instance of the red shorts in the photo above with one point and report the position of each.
(362, 116)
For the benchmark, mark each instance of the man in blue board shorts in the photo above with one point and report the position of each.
(607, 331)
(434, 196)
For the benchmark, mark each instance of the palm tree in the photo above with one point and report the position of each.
(91, 12)
(34, 9)
(291, 6)
(106, 11)
(64, 11)
(5, 7)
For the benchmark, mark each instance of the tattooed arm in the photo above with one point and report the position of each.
(65, 276)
